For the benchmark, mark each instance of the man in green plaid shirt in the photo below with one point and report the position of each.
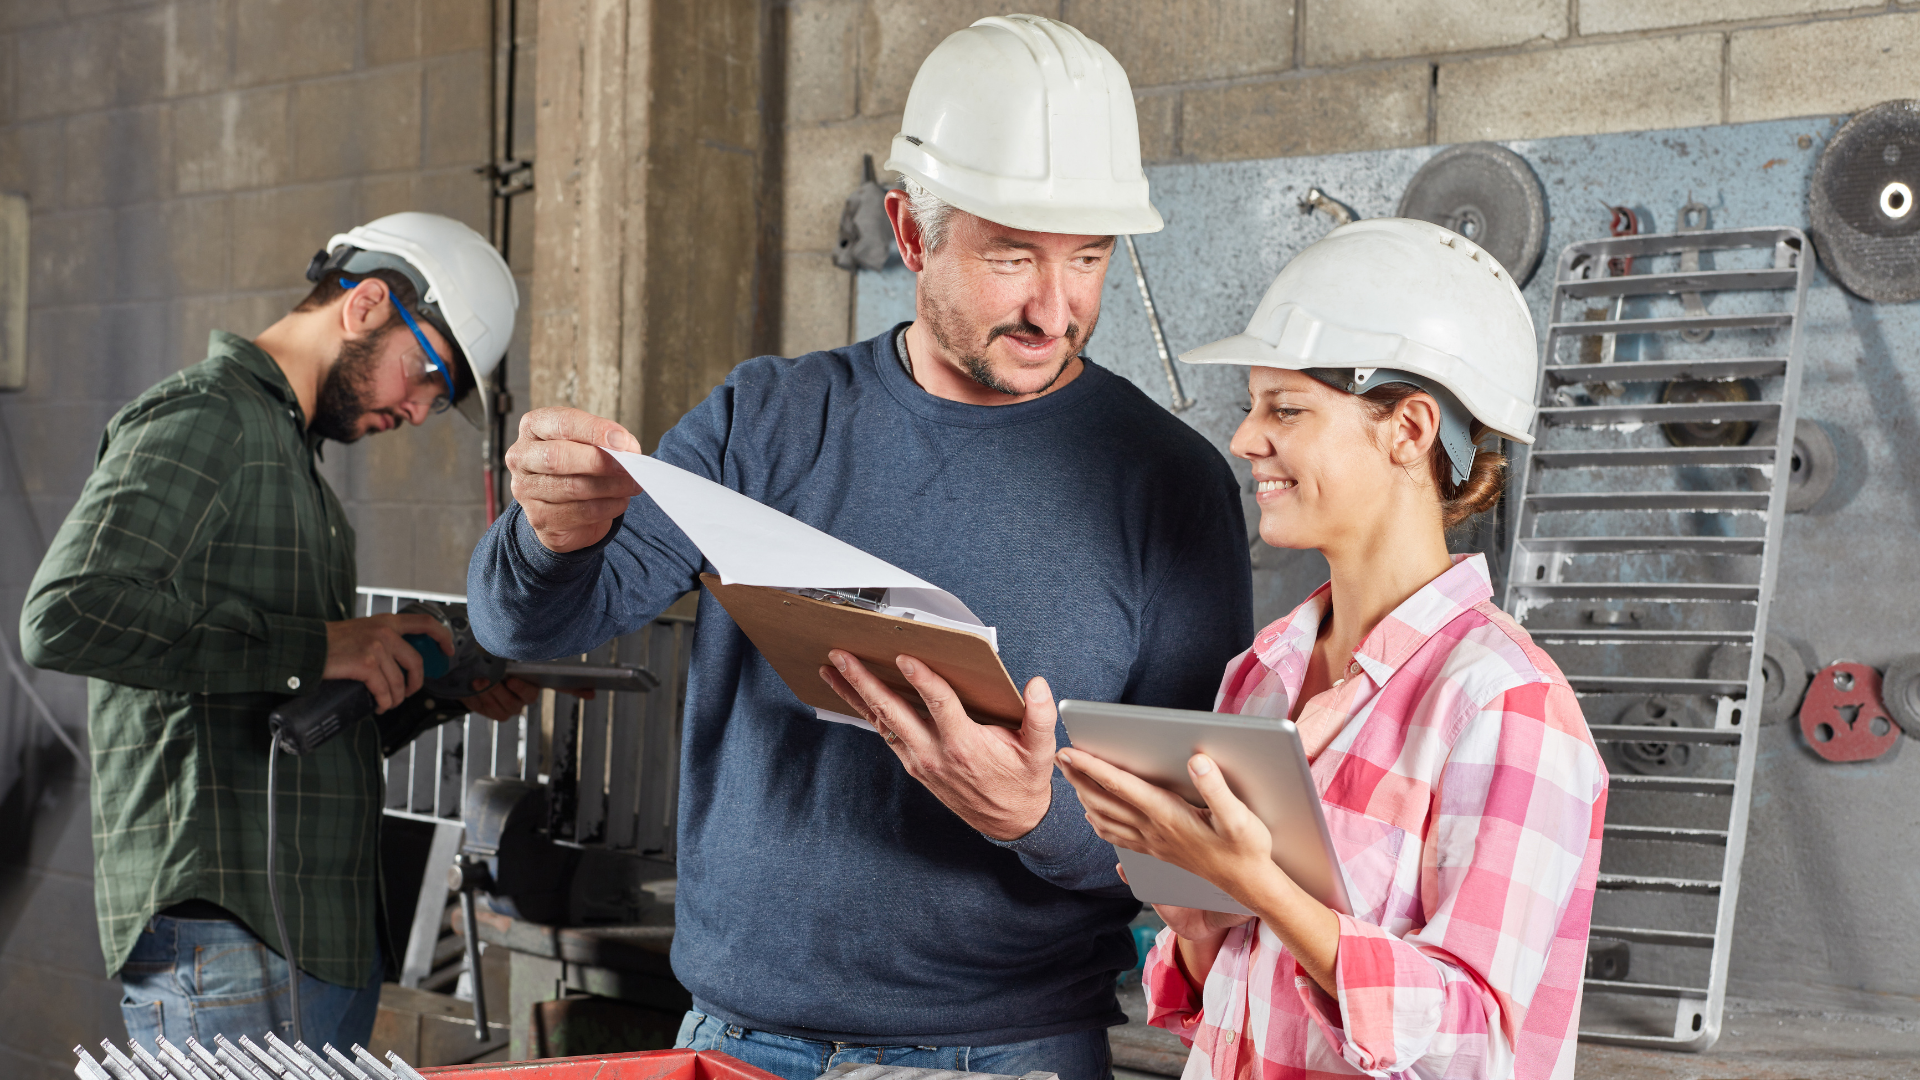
(207, 574)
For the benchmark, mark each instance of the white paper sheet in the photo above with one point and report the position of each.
(750, 543)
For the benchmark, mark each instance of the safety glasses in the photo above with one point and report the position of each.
(421, 365)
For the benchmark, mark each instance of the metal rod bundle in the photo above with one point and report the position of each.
(246, 1061)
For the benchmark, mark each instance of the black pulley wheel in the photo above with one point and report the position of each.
(1783, 668)
(1864, 223)
(1488, 194)
(1813, 466)
(1661, 758)
(1707, 432)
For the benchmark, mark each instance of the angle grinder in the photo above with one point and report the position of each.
(305, 723)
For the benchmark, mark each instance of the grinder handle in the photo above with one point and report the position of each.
(304, 724)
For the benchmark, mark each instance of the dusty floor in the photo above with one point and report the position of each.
(1759, 1041)
(1772, 1041)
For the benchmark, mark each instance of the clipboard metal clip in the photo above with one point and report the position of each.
(864, 599)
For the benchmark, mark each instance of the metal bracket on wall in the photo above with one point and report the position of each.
(1694, 217)
(1315, 199)
(1639, 560)
(509, 178)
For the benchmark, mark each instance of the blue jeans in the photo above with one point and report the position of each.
(207, 977)
(1079, 1055)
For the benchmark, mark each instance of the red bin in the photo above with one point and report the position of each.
(641, 1065)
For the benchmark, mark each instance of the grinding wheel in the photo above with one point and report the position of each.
(1488, 194)
(1900, 689)
(1865, 226)
(1781, 665)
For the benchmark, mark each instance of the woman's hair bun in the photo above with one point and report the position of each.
(1482, 488)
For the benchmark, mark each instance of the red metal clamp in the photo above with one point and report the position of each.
(1844, 718)
(1623, 222)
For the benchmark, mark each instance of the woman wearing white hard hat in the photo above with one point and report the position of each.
(1461, 788)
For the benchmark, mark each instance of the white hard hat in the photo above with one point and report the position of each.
(1027, 122)
(464, 285)
(1399, 300)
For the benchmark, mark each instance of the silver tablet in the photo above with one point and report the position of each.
(1262, 761)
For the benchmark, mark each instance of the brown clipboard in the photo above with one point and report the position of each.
(796, 632)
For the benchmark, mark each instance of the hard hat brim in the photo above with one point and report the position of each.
(1030, 206)
(1073, 221)
(1246, 350)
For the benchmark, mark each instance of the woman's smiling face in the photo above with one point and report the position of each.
(1321, 472)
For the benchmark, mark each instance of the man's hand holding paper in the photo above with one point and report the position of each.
(572, 492)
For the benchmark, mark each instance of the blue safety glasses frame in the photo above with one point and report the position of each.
(434, 362)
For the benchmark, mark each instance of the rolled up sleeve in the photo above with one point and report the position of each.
(1173, 1002)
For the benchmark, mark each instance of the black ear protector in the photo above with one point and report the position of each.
(318, 265)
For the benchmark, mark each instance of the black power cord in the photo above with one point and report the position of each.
(273, 886)
(299, 727)
(303, 725)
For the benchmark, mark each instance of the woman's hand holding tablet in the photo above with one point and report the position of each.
(1223, 842)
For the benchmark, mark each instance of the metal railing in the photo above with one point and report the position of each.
(611, 766)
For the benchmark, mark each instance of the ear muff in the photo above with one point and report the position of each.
(1456, 423)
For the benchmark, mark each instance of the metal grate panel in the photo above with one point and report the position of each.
(1647, 524)
(616, 758)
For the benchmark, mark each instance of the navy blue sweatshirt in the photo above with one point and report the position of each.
(823, 892)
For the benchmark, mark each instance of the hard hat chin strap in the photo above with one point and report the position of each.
(1456, 423)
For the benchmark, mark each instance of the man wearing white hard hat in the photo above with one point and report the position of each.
(915, 892)
(206, 575)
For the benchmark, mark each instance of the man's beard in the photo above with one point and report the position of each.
(344, 392)
(975, 362)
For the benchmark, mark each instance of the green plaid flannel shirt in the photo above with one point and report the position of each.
(192, 584)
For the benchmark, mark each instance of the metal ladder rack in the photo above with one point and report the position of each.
(1647, 525)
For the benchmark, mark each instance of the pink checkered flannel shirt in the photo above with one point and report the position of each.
(1465, 797)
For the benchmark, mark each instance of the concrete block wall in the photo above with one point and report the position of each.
(1221, 80)
(184, 159)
